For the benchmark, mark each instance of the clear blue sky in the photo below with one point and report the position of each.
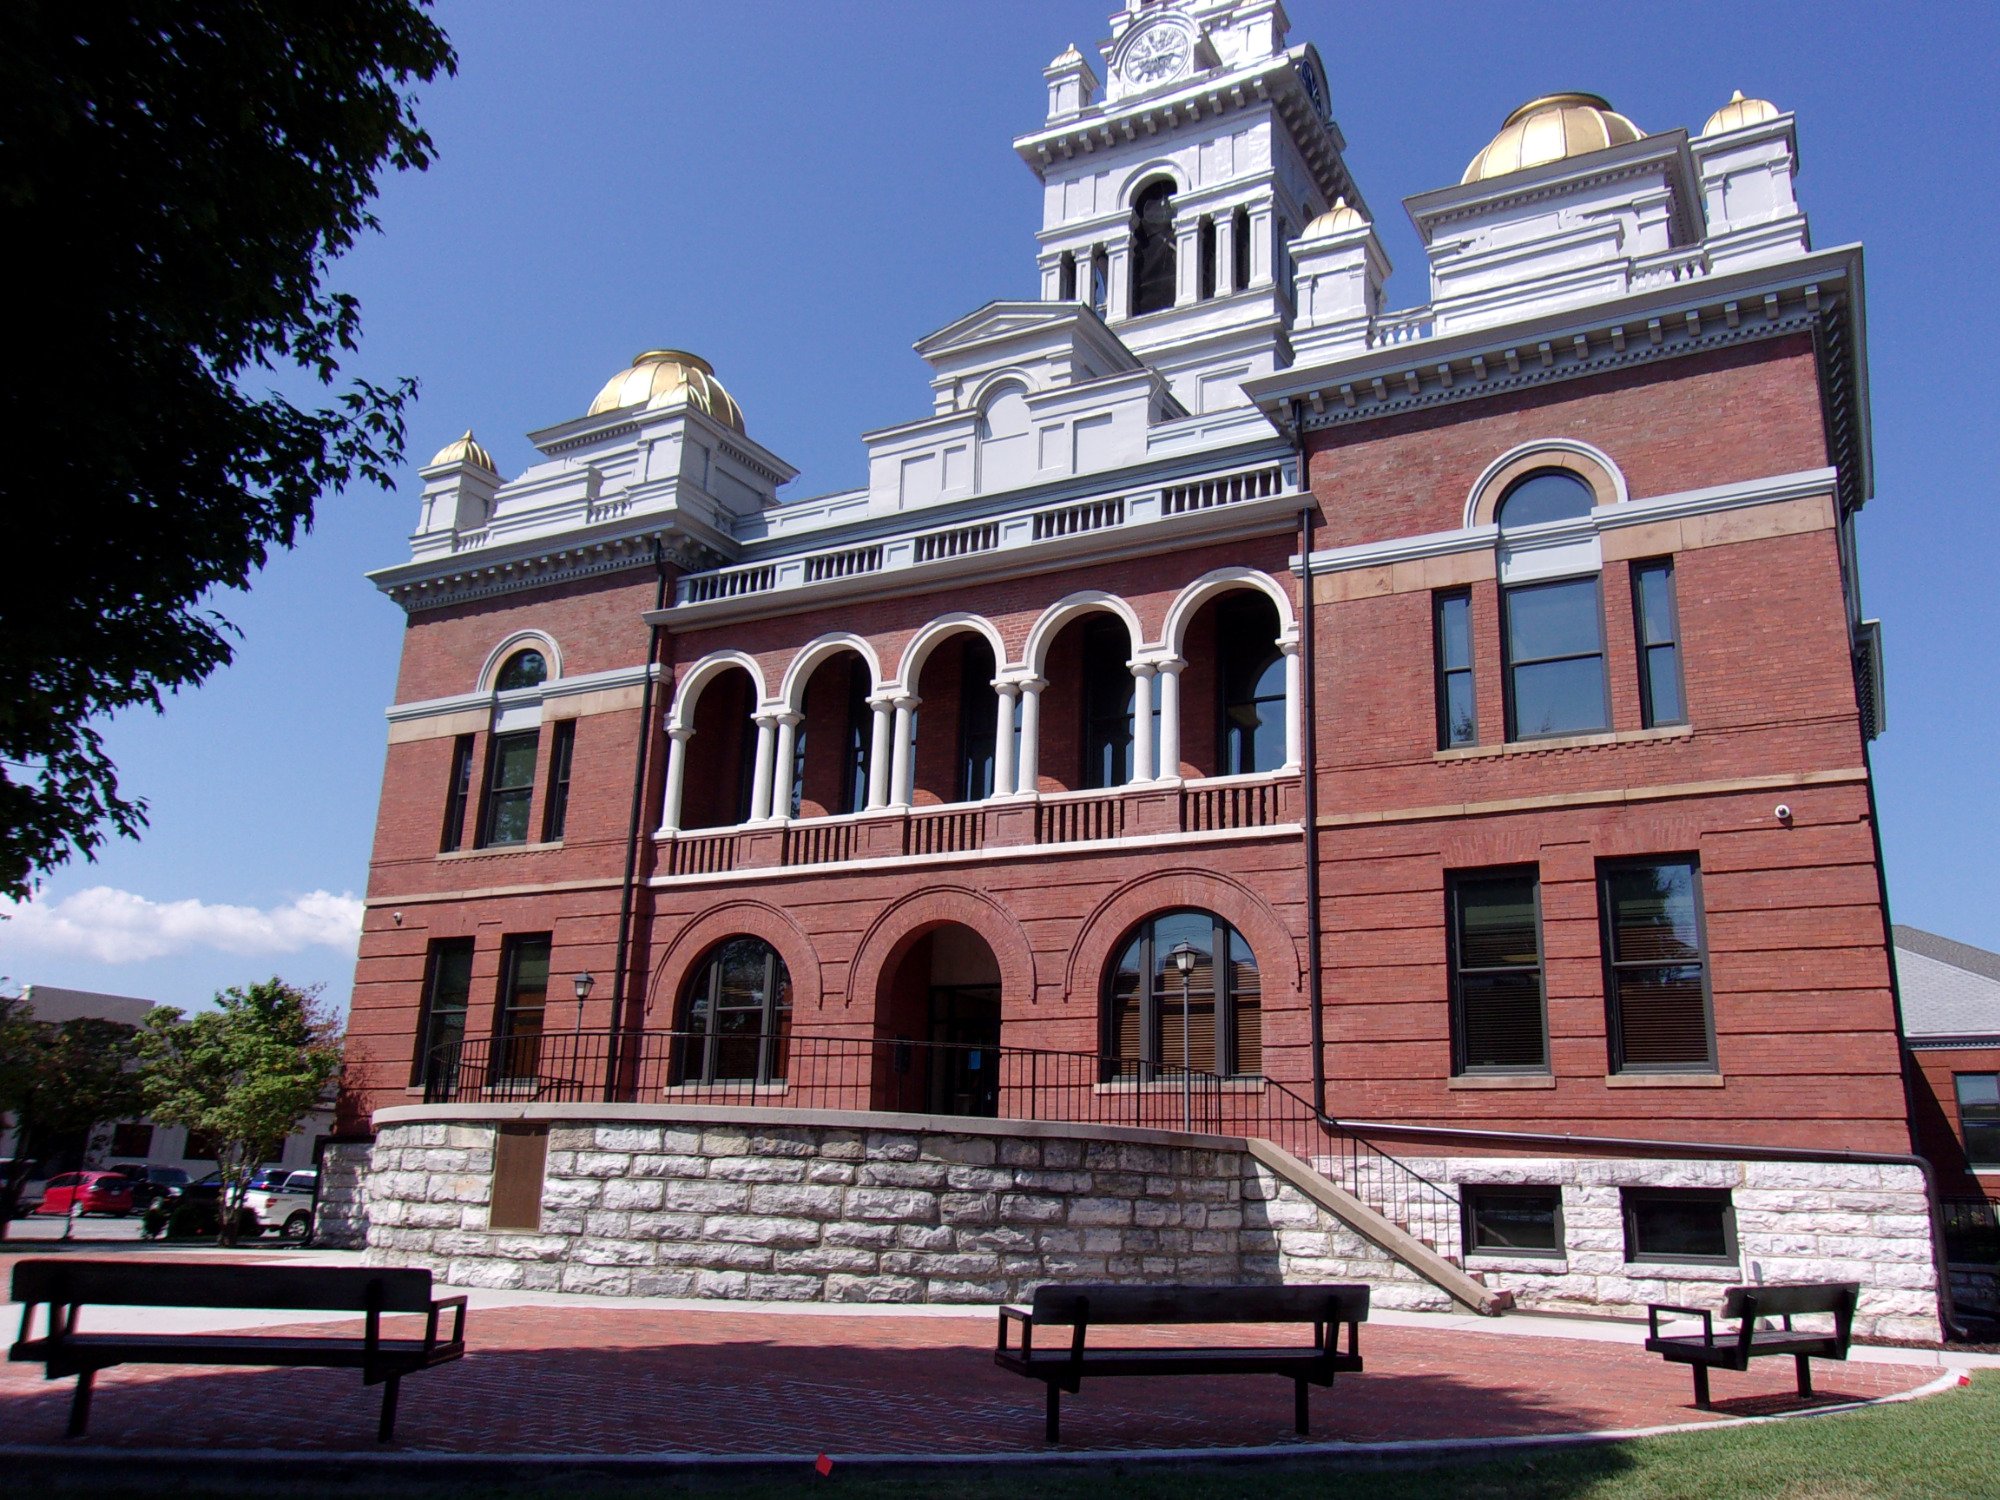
(799, 190)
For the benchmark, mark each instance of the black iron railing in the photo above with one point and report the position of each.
(798, 1069)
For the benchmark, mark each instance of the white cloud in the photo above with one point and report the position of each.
(118, 927)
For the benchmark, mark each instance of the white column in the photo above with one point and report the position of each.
(1003, 738)
(760, 785)
(878, 754)
(1031, 729)
(1142, 719)
(781, 780)
(1118, 281)
(670, 819)
(902, 773)
(1187, 260)
(1295, 702)
(1170, 717)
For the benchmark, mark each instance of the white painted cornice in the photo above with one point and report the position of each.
(554, 688)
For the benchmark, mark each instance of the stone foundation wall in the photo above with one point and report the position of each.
(1795, 1221)
(700, 1208)
(340, 1219)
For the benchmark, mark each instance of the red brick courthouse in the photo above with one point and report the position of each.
(1255, 784)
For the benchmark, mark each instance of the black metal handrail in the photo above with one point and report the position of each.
(807, 1069)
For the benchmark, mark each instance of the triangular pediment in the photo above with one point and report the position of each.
(997, 320)
(1066, 339)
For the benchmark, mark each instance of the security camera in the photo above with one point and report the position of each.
(1782, 812)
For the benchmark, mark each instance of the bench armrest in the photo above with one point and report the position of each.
(1654, 1309)
(1027, 1323)
(457, 1304)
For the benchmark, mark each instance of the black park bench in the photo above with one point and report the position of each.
(65, 1286)
(1736, 1347)
(1078, 1308)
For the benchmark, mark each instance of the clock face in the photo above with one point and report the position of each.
(1160, 53)
(1315, 86)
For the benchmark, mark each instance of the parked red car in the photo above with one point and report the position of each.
(94, 1192)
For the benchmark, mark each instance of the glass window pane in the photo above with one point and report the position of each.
(1515, 1221)
(514, 760)
(1455, 631)
(1663, 686)
(1554, 619)
(1550, 495)
(1497, 923)
(1982, 1143)
(523, 669)
(1976, 1089)
(1559, 697)
(1673, 1228)
(1502, 1019)
(1461, 725)
(1661, 1018)
(1656, 605)
(1653, 914)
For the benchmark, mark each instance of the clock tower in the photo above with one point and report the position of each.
(1170, 202)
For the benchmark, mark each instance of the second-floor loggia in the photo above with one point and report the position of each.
(1083, 728)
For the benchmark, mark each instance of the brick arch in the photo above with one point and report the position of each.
(1591, 464)
(725, 920)
(1170, 890)
(889, 936)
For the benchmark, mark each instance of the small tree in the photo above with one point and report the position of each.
(243, 1074)
(57, 1078)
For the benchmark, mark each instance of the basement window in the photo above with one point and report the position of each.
(1682, 1225)
(1513, 1221)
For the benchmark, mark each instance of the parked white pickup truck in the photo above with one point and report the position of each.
(287, 1208)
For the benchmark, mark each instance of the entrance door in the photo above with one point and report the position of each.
(965, 1066)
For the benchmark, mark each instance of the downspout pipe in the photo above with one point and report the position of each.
(1309, 768)
(641, 755)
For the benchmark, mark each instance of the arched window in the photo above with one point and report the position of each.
(1210, 1020)
(1553, 630)
(1544, 495)
(1252, 701)
(1066, 277)
(736, 1017)
(1107, 703)
(1100, 282)
(1153, 249)
(1239, 251)
(524, 669)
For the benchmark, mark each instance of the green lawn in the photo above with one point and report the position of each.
(1941, 1448)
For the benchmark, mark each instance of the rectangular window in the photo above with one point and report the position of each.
(1499, 1021)
(1655, 966)
(1554, 636)
(1680, 1224)
(1458, 721)
(524, 997)
(1979, 1118)
(441, 1020)
(458, 792)
(131, 1139)
(510, 787)
(978, 720)
(1513, 1221)
(1657, 630)
(1107, 703)
(555, 808)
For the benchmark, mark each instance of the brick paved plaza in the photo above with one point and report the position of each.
(574, 1375)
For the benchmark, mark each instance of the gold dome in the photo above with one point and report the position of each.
(1739, 112)
(465, 450)
(669, 377)
(1551, 128)
(1339, 219)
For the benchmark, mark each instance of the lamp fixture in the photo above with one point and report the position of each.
(583, 982)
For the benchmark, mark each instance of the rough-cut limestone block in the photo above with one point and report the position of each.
(1013, 1153)
(925, 1237)
(968, 1208)
(497, 1274)
(1002, 1238)
(667, 1226)
(970, 1150)
(895, 1204)
(606, 1223)
(669, 1166)
(860, 1236)
(892, 1145)
(904, 1174)
(602, 1164)
(573, 1192)
(968, 1291)
(723, 1141)
(980, 1179)
(1031, 1208)
(626, 1138)
(1059, 1241)
(708, 1197)
(757, 1169)
(663, 1284)
(595, 1252)
(843, 1145)
(751, 1229)
(772, 1288)
(821, 1259)
(1052, 1182)
(712, 1254)
(820, 1203)
(873, 1289)
(634, 1193)
(833, 1173)
(1100, 1211)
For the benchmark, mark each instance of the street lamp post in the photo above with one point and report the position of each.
(583, 983)
(1184, 955)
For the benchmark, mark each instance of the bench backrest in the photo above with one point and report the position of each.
(131, 1283)
(1070, 1305)
(1785, 1300)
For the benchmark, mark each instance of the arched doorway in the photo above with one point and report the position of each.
(939, 1010)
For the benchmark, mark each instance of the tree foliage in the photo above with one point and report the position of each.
(175, 178)
(57, 1077)
(244, 1074)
